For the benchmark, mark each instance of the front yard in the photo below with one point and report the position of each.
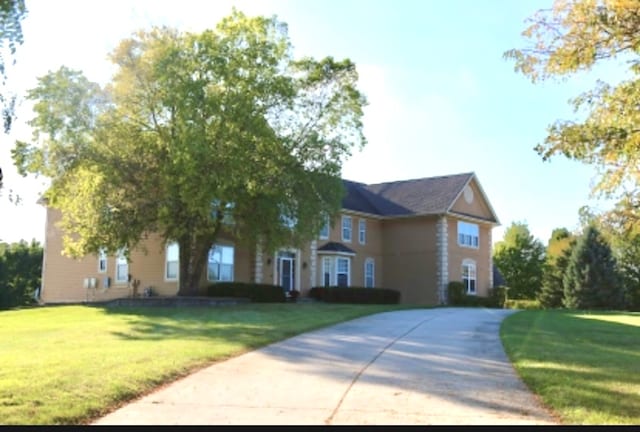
(584, 365)
(70, 364)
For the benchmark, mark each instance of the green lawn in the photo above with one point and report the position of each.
(584, 365)
(70, 364)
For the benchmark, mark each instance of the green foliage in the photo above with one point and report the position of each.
(624, 237)
(257, 293)
(520, 259)
(523, 304)
(458, 296)
(559, 251)
(356, 295)
(197, 133)
(456, 292)
(20, 273)
(12, 13)
(574, 36)
(591, 280)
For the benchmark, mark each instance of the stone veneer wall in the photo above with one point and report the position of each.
(443, 259)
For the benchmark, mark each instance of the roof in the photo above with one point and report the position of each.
(335, 247)
(423, 196)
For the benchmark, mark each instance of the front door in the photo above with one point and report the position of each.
(286, 270)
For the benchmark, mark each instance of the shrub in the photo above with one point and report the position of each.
(522, 304)
(458, 297)
(456, 292)
(257, 293)
(498, 296)
(359, 295)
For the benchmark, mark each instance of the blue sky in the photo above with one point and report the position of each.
(442, 100)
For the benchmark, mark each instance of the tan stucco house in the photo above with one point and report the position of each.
(414, 236)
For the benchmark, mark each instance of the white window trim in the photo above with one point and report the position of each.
(102, 255)
(472, 264)
(120, 255)
(344, 218)
(373, 272)
(332, 272)
(166, 263)
(477, 237)
(233, 271)
(298, 269)
(348, 270)
(327, 224)
(362, 231)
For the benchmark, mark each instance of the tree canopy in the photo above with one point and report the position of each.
(573, 36)
(12, 12)
(591, 280)
(196, 134)
(520, 257)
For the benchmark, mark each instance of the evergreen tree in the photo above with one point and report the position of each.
(591, 280)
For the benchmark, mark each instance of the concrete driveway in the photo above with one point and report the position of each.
(442, 366)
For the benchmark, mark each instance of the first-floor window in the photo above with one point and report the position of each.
(327, 271)
(369, 271)
(342, 272)
(220, 263)
(102, 261)
(122, 267)
(172, 259)
(469, 276)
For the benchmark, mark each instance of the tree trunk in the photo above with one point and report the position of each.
(193, 257)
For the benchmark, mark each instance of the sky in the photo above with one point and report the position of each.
(441, 97)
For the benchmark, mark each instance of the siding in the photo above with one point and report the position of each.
(410, 259)
(481, 256)
(63, 277)
(477, 207)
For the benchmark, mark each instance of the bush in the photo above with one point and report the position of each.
(456, 292)
(522, 304)
(498, 296)
(458, 297)
(257, 293)
(359, 295)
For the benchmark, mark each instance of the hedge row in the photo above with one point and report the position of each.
(458, 297)
(359, 295)
(522, 304)
(257, 293)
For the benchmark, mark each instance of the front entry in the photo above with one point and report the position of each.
(287, 270)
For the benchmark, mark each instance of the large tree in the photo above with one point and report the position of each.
(12, 12)
(575, 35)
(520, 258)
(557, 257)
(591, 280)
(198, 133)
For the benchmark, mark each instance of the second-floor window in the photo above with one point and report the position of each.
(362, 231)
(346, 228)
(324, 232)
(468, 234)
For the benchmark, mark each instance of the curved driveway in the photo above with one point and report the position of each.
(441, 366)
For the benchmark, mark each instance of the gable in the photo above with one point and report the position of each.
(472, 202)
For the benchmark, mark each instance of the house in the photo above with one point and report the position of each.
(414, 236)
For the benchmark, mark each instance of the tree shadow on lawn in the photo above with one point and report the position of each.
(581, 361)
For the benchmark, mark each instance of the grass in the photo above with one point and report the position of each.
(585, 366)
(72, 364)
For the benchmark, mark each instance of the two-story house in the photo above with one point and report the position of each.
(413, 236)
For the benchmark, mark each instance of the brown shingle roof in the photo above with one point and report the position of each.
(430, 195)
